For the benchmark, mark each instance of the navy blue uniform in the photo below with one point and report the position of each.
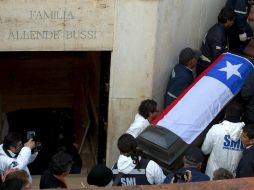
(136, 177)
(240, 26)
(213, 45)
(181, 77)
(245, 167)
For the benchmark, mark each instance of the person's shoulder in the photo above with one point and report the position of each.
(199, 176)
(215, 30)
(217, 128)
(151, 164)
(182, 71)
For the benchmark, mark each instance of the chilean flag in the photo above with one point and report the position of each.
(199, 104)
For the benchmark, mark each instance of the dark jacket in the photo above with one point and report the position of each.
(214, 43)
(247, 95)
(181, 77)
(241, 8)
(245, 167)
(49, 181)
(197, 175)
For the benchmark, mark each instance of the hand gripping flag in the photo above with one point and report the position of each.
(199, 104)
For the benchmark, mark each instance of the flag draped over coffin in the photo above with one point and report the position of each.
(199, 104)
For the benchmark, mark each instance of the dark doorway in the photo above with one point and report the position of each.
(53, 91)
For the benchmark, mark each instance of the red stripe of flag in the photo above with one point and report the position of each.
(170, 106)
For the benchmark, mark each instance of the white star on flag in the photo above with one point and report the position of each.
(231, 69)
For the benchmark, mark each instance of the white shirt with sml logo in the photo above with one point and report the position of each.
(223, 144)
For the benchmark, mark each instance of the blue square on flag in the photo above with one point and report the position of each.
(231, 70)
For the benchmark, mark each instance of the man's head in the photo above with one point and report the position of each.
(13, 142)
(189, 57)
(226, 17)
(148, 109)
(100, 176)
(193, 157)
(60, 164)
(234, 110)
(247, 136)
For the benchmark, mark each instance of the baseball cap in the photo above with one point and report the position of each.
(194, 154)
(187, 54)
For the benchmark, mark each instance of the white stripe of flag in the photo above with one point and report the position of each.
(200, 103)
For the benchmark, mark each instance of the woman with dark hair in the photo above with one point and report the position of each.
(131, 169)
(59, 167)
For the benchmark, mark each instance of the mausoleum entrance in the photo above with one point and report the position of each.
(62, 96)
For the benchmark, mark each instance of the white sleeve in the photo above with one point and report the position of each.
(23, 158)
(207, 146)
(154, 173)
(137, 128)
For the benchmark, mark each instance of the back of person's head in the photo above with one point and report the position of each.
(226, 14)
(249, 130)
(100, 175)
(11, 139)
(17, 179)
(127, 146)
(222, 173)
(147, 106)
(193, 157)
(12, 184)
(126, 143)
(233, 110)
(60, 163)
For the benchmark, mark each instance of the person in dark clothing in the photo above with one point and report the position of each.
(241, 32)
(215, 41)
(59, 167)
(245, 167)
(192, 160)
(247, 96)
(182, 75)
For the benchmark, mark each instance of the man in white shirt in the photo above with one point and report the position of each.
(14, 155)
(147, 112)
(223, 142)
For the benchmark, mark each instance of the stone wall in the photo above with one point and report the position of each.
(35, 25)
(148, 37)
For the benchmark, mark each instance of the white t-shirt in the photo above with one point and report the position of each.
(139, 125)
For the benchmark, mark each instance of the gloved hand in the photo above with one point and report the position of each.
(243, 37)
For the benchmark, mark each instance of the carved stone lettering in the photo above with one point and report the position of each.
(56, 25)
(43, 15)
